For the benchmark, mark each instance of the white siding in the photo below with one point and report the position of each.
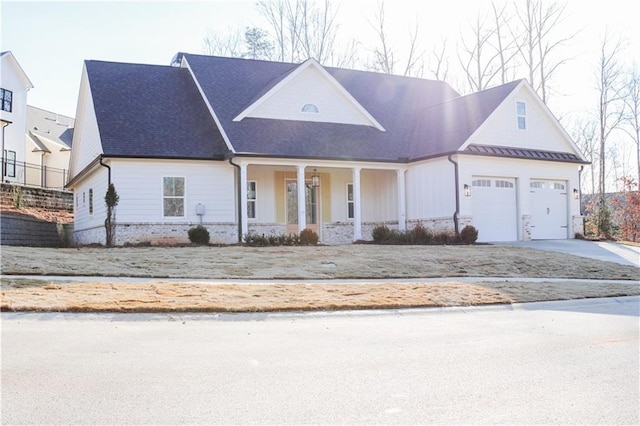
(430, 190)
(98, 182)
(541, 132)
(264, 176)
(14, 132)
(139, 185)
(310, 87)
(379, 192)
(339, 180)
(87, 144)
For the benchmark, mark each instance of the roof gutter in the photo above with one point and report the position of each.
(457, 188)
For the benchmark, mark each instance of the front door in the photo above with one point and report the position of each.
(312, 199)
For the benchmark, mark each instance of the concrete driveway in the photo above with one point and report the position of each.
(600, 250)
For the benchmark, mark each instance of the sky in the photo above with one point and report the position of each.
(51, 39)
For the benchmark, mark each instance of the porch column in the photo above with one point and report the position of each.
(302, 205)
(244, 217)
(402, 208)
(357, 211)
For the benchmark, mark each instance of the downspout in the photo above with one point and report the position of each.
(457, 212)
(108, 170)
(239, 199)
(584, 229)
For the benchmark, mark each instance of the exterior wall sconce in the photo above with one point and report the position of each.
(576, 194)
(467, 190)
(315, 179)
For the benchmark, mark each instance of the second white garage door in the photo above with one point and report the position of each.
(548, 200)
(494, 208)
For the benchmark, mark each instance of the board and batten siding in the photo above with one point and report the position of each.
(541, 132)
(87, 145)
(430, 191)
(310, 87)
(139, 185)
(83, 220)
(379, 194)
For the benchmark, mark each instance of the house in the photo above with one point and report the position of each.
(48, 148)
(14, 85)
(245, 146)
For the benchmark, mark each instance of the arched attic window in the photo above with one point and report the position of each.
(310, 108)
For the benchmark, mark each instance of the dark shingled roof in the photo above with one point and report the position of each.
(152, 111)
(157, 111)
(231, 85)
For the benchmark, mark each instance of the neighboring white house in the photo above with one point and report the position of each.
(254, 146)
(14, 85)
(48, 148)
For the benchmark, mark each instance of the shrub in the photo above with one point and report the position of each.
(468, 235)
(381, 233)
(308, 237)
(199, 235)
(419, 235)
(254, 240)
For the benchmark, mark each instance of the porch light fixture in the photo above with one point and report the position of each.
(315, 179)
(576, 194)
(467, 190)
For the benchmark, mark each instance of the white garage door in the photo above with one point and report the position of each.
(548, 201)
(494, 208)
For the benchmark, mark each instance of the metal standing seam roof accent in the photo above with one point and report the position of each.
(530, 154)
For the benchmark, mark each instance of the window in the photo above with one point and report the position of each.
(173, 196)
(522, 113)
(481, 182)
(91, 201)
(251, 199)
(539, 185)
(6, 96)
(559, 186)
(504, 184)
(9, 163)
(310, 108)
(350, 201)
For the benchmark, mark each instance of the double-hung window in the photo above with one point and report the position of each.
(6, 97)
(350, 208)
(173, 190)
(251, 199)
(9, 163)
(521, 111)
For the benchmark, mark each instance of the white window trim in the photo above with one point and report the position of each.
(184, 197)
(523, 116)
(350, 202)
(253, 200)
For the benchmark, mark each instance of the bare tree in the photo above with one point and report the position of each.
(610, 113)
(386, 57)
(439, 63)
(505, 46)
(478, 58)
(586, 137)
(303, 29)
(539, 42)
(228, 44)
(632, 113)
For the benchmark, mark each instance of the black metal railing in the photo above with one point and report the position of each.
(29, 174)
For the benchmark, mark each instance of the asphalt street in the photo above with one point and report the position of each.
(572, 362)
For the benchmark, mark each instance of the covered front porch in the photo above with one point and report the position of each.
(341, 203)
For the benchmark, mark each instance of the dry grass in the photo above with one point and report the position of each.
(297, 263)
(40, 295)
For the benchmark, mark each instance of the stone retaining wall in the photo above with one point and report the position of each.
(49, 199)
(20, 230)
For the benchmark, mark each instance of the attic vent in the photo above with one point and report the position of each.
(310, 108)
